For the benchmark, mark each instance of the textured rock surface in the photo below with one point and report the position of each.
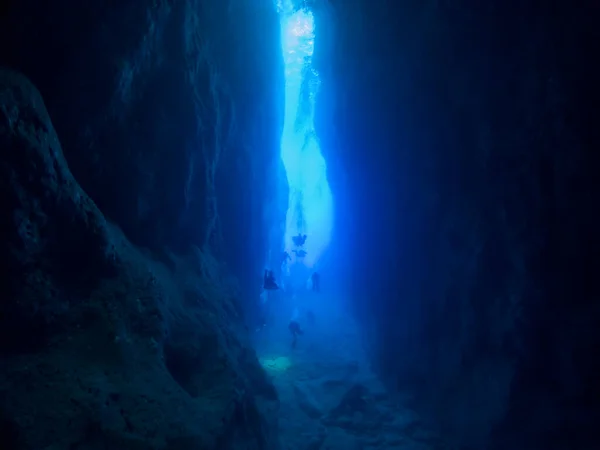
(471, 127)
(102, 346)
(330, 399)
(469, 132)
(156, 105)
(159, 105)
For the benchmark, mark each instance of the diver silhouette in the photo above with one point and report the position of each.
(296, 331)
(300, 253)
(269, 282)
(295, 328)
(316, 282)
(286, 257)
(299, 240)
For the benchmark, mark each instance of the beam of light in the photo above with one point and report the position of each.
(310, 204)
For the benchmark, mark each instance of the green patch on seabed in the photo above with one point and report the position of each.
(276, 364)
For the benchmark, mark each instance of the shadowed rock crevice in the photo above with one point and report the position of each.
(478, 151)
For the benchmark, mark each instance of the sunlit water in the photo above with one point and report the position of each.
(310, 207)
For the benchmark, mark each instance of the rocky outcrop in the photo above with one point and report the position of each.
(169, 113)
(101, 345)
(470, 126)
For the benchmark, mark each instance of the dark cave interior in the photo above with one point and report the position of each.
(143, 191)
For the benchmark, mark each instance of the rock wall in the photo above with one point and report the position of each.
(135, 184)
(103, 346)
(155, 104)
(468, 167)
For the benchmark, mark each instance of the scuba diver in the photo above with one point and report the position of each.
(300, 253)
(286, 257)
(294, 327)
(299, 240)
(269, 282)
(262, 323)
(316, 282)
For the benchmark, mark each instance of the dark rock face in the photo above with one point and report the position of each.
(158, 129)
(155, 104)
(52, 229)
(471, 128)
(102, 346)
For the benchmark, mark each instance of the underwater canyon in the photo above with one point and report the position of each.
(299, 225)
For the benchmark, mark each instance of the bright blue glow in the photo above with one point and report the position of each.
(310, 205)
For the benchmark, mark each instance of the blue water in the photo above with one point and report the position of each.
(310, 206)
